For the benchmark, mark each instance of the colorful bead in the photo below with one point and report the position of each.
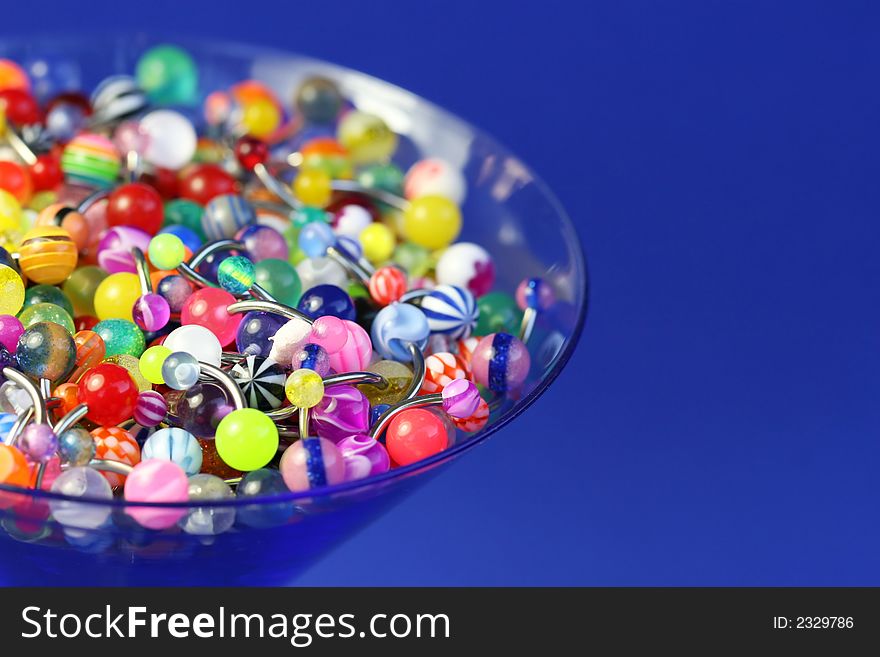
(263, 483)
(280, 279)
(467, 265)
(47, 294)
(387, 284)
(434, 177)
(327, 300)
(441, 369)
(38, 442)
(46, 350)
(170, 139)
(343, 411)
(76, 447)
(395, 327)
(115, 444)
(175, 445)
(225, 215)
(378, 242)
(318, 100)
(304, 388)
(207, 308)
(136, 205)
(116, 296)
(151, 362)
(451, 311)
(263, 242)
(247, 439)
(156, 481)
(321, 271)
(150, 312)
(67, 218)
(416, 434)
(366, 137)
(288, 339)
(255, 333)
(110, 393)
(460, 398)
(47, 254)
(11, 329)
(313, 357)
(432, 222)
(500, 362)
(121, 336)
(535, 293)
(47, 312)
(11, 291)
(330, 333)
(261, 380)
(13, 467)
(357, 352)
(168, 75)
(86, 483)
(150, 409)
(312, 463)
(313, 187)
(315, 238)
(202, 408)
(175, 290)
(92, 160)
(364, 457)
(399, 378)
(499, 312)
(236, 274)
(166, 251)
(180, 370)
(90, 350)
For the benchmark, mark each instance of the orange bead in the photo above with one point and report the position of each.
(12, 76)
(47, 254)
(13, 467)
(115, 444)
(67, 218)
(68, 393)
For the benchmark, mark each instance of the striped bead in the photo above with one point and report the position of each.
(115, 444)
(7, 420)
(176, 445)
(225, 215)
(387, 284)
(92, 160)
(451, 310)
(441, 369)
(47, 254)
(150, 409)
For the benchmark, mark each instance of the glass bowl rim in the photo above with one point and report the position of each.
(569, 234)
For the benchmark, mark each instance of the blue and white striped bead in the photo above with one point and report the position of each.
(176, 445)
(7, 421)
(225, 215)
(451, 310)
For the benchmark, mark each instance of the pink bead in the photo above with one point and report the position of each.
(501, 362)
(363, 457)
(460, 398)
(10, 331)
(156, 480)
(288, 340)
(330, 333)
(357, 352)
(207, 308)
(296, 463)
(534, 293)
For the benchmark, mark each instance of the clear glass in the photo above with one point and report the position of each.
(508, 210)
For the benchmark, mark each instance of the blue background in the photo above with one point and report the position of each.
(719, 422)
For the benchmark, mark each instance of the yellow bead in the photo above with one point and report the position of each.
(378, 242)
(47, 254)
(10, 212)
(312, 187)
(2, 122)
(260, 117)
(116, 295)
(366, 137)
(150, 363)
(11, 291)
(304, 388)
(432, 221)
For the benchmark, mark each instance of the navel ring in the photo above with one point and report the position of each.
(533, 296)
(459, 399)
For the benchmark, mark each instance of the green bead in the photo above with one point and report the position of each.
(47, 294)
(46, 312)
(279, 279)
(416, 260)
(357, 291)
(387, 177)
(498, 314)
(187, 213)
(168, 75)
(166, 251)
(236, 274)
(121, 337)
(307, 214)
(80, 288)
(246, 439)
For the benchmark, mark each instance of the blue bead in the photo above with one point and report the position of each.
(188, 236)
(176, 445)
(315, 238)
(397, 325)
(327, 300)
(376, 412)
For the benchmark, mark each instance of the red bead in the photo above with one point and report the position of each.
(164, 181)
(74, 98)
(137, 205)
(207, 308)
(20, 107)
(85, 322)
(387, 284)
(109, 392)
(46, 172)
(250, 152)
(16, 180)
(351, 198)
(206, 181)
(414, 435)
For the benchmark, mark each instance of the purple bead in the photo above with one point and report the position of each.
(175, 290)
(342, 412)
(363, 457)
(254, 332)
(10, 331)
(460, 398)
(202, 408)
(114, 249)
(151, 312)
(263, 242)
(38, 442)
(312, 357)
(150, 409)
(116, 261)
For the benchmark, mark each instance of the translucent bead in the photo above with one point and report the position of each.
(304, 388)
(366, 136)
(81, 482)
(399, 377)
(38, 442)
(312, 357)
(180, 370)
(208, 520)
(76, 447)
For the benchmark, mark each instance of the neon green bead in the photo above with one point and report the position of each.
(166, 251)
(47, 312)
(432, 222)
(304, 388)
(378, 242)
(11, 291)
(246, 439)
(151, 363)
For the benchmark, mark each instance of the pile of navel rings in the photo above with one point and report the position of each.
(242, 301)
